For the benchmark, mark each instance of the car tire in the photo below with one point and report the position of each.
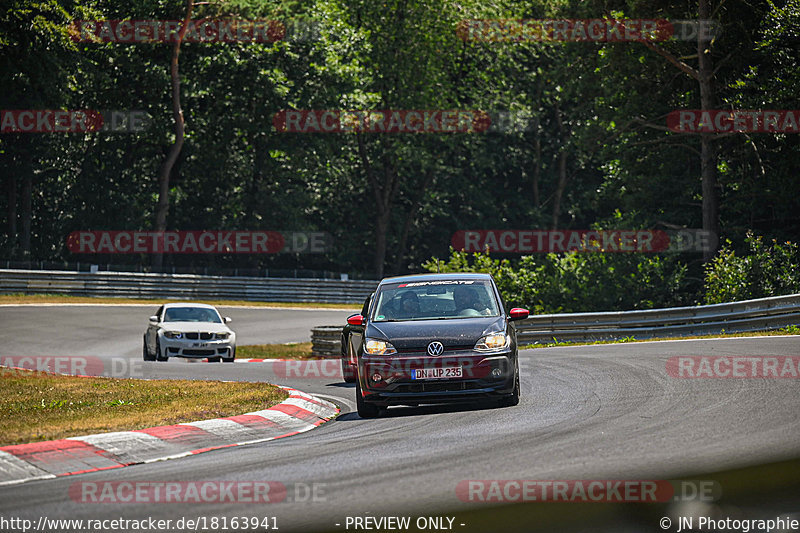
(232, 358)
(145, 352)
(512, 399)
(159, 355)
(365, 409)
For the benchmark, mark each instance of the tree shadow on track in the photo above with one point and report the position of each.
(422, 410)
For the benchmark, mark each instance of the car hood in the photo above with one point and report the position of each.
(211, 327)
(412, 335)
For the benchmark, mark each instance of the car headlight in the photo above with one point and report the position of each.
(376, 347)
(490, 343)
(173, 334)
(223, 336)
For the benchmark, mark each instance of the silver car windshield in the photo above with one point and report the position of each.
(191, 314)
(428, 300)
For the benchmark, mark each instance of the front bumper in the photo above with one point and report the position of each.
(196, 349)
(390, 380)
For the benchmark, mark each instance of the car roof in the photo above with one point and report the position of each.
(436, 277)
(189, 304)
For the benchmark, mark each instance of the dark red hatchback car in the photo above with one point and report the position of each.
(433, 338)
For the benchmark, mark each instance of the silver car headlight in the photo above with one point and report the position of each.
(173, 334)
(493, 342)
(222, 336)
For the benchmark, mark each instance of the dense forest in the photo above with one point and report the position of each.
(583, 136)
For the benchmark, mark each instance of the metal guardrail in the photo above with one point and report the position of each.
(204, 270)
(749, 315)
(184, 286)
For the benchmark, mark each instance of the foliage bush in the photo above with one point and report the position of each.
(766, 270)
(584, 282)
(578, 282)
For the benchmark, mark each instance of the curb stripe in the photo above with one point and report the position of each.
(253, 422)
(61, 457)
(283, 420)
(179, 434)
(16, 468)
(226, 429)
(315, 401)
(316, 409)
(91, 453)
(297, 412)
(130, 447)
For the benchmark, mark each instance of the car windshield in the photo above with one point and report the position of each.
(191, 314)
(438, 299)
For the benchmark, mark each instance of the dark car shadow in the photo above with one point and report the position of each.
(342, 385)
(348, 417)
(423, 410)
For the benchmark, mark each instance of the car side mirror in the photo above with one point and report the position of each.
(518, 313)
(153, 319)
(226, 319)
(356, 320)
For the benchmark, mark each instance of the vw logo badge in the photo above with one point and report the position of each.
(435, 348)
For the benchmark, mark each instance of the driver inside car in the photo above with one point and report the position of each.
(467, 302)
(409, 305)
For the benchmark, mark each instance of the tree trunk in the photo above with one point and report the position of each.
(11, 195)
(537, 169)
(381, 227)
(162, 207)
(537, 145)
(410, 217)
(708, 170)
(562, 185)
(251, 200)
(384, 192)
(26, 211)
(562, 169)
(704, 75)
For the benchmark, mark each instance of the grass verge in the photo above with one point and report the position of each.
(37, 406)
(22, 299)
(789, 330)
(298, 350)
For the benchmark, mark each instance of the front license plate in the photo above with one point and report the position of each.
(200, 345)
(447, 372)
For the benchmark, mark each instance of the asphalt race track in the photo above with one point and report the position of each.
(590, 412)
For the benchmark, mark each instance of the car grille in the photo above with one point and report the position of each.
(437, 387)
(202, 336)
(199, 352)
(424, 348)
